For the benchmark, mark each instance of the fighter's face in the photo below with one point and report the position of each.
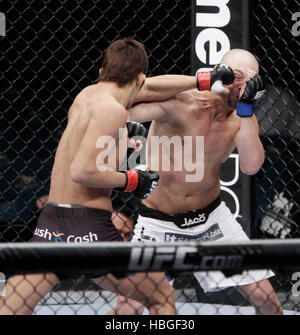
(242, 75)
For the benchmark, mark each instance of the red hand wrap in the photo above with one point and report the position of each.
(132, 180)
(203, 81)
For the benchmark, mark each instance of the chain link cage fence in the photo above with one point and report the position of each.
(275, 40)
(53, 49)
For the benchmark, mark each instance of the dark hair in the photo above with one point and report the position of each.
(123, 61)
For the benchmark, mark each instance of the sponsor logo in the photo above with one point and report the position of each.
(211, 234)
(211, 42)
(57, 236)
(145, 237)
(171, 258)
(152, 188)
(43, 233)
(90, 237)
(191, 222)
(233, 201)
(46, 234)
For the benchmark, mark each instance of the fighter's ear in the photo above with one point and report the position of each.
(99, 74)
(140, 80)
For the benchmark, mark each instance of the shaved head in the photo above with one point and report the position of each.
(245, 66)
(239, 58)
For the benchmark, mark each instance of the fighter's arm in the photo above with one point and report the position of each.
(172, 108)
(86, 165)
(164, 87)
(145, 112)
(249, 146)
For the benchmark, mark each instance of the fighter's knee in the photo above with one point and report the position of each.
(259, 296)
(165, 297)
(168, 292)
(266, 302)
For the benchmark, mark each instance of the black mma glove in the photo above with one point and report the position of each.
(253, 91)
(136, 129)
(214, 80)
(140, 183)
(137, 134)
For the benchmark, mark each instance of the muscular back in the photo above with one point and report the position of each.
(192, 114)
(63, 189)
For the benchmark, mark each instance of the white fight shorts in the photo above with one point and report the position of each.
(219, 226)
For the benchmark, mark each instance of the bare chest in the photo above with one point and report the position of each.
(217, 135)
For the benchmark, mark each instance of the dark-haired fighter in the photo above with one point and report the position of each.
(79, 207)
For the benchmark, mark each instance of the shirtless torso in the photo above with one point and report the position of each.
(214, 117)
(81, 119)
(189, 115)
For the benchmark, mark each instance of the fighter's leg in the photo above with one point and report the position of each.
(151, 289)
(262, 297)
(127, 306)
(252, 284)
(23, 292)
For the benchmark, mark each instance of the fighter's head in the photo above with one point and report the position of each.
(125, 62)
(245, 66)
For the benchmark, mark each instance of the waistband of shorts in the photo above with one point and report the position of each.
(74, 210)
(155, 214)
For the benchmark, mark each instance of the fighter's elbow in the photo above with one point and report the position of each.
(77, 174)
(251, 168)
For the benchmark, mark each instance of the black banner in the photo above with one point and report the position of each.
(123, 257)
(217, 27)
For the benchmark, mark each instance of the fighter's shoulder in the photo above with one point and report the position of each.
(106, 106)
(98, 102)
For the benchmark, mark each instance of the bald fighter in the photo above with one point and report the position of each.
(79, 206)
(181, 210)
